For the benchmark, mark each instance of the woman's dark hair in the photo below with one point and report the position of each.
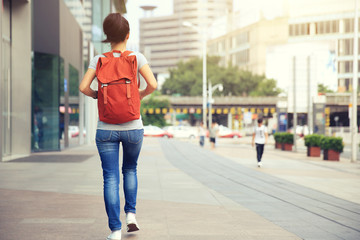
(260, 120)
(115, 27)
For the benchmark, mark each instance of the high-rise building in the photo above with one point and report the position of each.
(165, 40)
(259, 32)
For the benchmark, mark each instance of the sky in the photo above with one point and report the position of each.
(134, 13)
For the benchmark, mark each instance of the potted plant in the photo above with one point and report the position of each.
(277, 137)
(313, 143)
(287, 141)
(332, 147)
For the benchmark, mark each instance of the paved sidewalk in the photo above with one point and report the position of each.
(42, 197)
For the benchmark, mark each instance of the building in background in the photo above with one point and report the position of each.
(165, 40)
(259, 32)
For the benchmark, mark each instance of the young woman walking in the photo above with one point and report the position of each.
(129, 134)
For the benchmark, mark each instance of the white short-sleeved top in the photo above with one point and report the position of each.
(132, 125)
(260, 134)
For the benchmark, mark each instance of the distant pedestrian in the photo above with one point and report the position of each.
(118, 77)
(213, 132)
(202, 133)
(260, 138)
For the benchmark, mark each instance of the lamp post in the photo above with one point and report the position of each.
(204, 95)
(211, 90)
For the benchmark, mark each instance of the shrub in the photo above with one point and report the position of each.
(277, 137)
(284, 137)
(334, 143)
(288, 138)
(313, 140)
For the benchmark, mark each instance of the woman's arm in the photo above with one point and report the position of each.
(148, 75)
(253, 139)
(266, 137)
(86, 82)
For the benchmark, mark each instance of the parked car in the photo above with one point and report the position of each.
(225, 132)
(182, 131)
(73, 131)
(154, 131)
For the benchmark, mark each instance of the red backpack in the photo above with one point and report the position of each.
(118, 92)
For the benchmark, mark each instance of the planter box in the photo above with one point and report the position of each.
(287, 147)
(277, 145)
(331, 155)
(313, 151)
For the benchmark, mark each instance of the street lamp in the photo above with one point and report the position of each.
(189, 24)
(211, 90)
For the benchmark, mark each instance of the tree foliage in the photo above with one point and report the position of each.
(186, 80)
(153, 101)
(324, 89)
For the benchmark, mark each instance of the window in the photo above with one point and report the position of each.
(349, 25)
(335, 26)
(242, 38)
(345, 66)
(291, 30)
(345, 47)
(45, 102)
(242, 57)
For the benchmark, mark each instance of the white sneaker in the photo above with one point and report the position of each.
(115, 235)
(131, 223)
(259, 164)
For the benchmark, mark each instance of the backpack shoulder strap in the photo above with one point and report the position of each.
(108, 54)
(126, 53)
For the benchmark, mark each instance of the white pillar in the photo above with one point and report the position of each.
(354, 130)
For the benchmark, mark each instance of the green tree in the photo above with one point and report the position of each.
(324, 89)
(154, 101)
(267, 87)
(186, 80)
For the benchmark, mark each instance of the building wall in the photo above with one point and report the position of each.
(165, 40)
(58, 68)
(70, 38)
(15, 80)
(246, 47)
(337, 28)
(46, 26)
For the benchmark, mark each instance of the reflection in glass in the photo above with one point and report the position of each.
(45, 102)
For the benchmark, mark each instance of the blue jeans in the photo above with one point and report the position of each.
(108, 144)
(202, 141)
(259, 151)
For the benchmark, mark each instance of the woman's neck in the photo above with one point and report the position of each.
(121, 46)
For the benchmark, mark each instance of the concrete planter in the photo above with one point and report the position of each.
(287, 147)
(277, 145)
(313, 151)
(331, 155)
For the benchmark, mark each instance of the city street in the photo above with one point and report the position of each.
(185, 192)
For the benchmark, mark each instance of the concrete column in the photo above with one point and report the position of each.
(312, 29)
(230, 120)
(81, 96)
(1, 88)
(91, 115)
(21, 78)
